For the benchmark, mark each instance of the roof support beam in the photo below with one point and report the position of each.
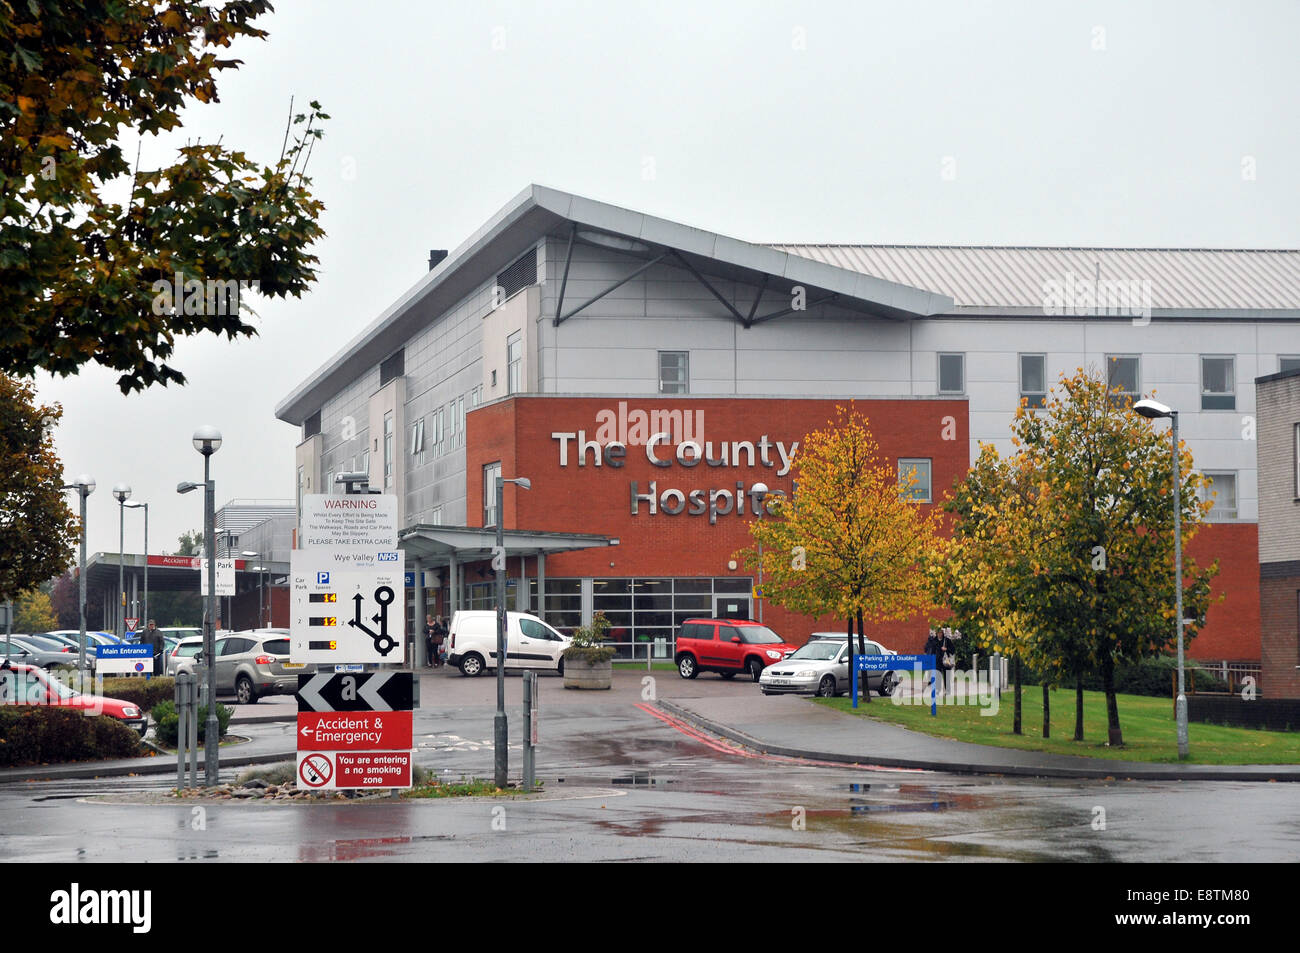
(564, 283)
(704, 281)
(781, 314)
(757, 298)
(614, 287)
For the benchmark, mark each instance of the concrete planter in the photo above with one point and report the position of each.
(579, 673)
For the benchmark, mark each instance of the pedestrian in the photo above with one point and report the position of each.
(940, 645)
(439, 637)
(430, 649)
(153, 638)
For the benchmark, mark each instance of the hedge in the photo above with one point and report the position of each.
(39, 734)
(1153, 677)
(166, 720)
(141, 692)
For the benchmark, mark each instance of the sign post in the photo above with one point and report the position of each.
(889, 663)
(355, 731)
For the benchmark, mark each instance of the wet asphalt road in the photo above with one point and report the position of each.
(624, 783)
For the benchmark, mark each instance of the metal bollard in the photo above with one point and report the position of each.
(530, 731)
(179, 696)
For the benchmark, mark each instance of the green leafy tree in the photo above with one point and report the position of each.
(37, 527)
(34, 613)
(101, 260)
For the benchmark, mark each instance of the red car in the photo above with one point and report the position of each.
(30, 685)
(727, 646)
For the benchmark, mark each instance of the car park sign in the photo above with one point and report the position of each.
(347, 608)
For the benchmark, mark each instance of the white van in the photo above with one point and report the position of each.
(530, 642)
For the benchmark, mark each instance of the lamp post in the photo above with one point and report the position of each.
(121, 493)
(759, 495)
(207, 441)
(137, 505)
(500, 736)
(84, 485)
(1152, 410)
(249, 554)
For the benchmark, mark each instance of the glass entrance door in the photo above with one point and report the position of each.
(731, 606)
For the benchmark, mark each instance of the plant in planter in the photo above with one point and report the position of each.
(588, 663)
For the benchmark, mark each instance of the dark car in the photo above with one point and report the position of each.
(36, 650)
(727, 646)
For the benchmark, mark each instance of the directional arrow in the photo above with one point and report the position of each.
(309, 696)
(360, 691)
(370, 691)
(307, 730)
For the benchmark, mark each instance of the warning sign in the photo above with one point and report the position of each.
(335, 770)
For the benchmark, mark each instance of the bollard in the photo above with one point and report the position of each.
(530, 730)
(182, 683)
(195, 689)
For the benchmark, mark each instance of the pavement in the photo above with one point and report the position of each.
(785, 725)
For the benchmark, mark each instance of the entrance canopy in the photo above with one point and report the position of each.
(446, 545)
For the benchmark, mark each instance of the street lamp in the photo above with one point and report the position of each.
(249, 554)
(84, 485)
(501, 752)
(207, 441)
(1152, 410)
(121, 493)
(137, 505)
(759, 495)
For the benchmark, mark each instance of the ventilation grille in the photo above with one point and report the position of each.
(519, 275)
(395, 366)
(311, 426)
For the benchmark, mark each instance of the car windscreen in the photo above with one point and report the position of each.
(757, 635)
(821, 651)
(276, 646)
(189, 650)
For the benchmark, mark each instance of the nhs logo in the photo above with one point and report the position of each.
(388, 557)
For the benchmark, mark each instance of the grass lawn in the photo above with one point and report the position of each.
(1150, 733)
(654, 666)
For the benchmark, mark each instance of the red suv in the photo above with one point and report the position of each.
(727, 646)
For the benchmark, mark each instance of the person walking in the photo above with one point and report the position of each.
(439, 637)
(430, 649)
(153, 638)
(940, 645)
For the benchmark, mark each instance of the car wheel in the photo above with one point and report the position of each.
(888, 683)
(471, 665)
(826, 688)
(686, 667)
(245, 694)
(559, 668)
(755, 668)
(727, 674)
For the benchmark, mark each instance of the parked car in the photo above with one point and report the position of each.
(821, 667)
(727, 646)
(71, 638)
(30, 685)
(37, 650)
(181, 657)
(178, 632)
(530, 642)
(254, 663)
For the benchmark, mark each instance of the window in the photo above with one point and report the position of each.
(439, 428)
(388, 449)
(476, 396)
(435, 517)
(514, 362)
(490, 473)
(460, 415)
(329, 482)
(1288, 363)
(1033, 379)
(417, 436)
(1218, 383)
(301, 475)
(1297, 461)
(1122, 372)
(365, 462)
(674, 372)
(311, 426)
(1223, 490)
(394, 366)
(952, 373)
(920, 490)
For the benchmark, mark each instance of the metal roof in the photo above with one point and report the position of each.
(985, 276)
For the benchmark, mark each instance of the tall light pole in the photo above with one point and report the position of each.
(500, 736)
(84, 485)
(121, 493)
(759, 495)
(137, 505)
(1151, 410)
(207, 441)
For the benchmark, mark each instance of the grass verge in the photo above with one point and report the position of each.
(472, 787)
(1150, 732)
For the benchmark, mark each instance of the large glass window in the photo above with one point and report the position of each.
(490, 473)
(674, 372)
(1122, 373)
(1223, 489)
(1033, 379)
(388, 449)
(515, 363)
(1218, 383)
(653, 610)
(952, 373)
(919, 490)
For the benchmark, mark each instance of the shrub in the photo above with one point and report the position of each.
(145, 693)
(166, 721)
(35, 734)
(284, 772)
(1153, 677)
(586, 645)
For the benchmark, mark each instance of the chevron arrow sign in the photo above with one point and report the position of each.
(355, 691)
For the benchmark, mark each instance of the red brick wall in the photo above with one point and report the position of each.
(1279, 637)
(1231, 626)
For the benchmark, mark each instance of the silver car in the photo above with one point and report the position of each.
(254, 663)
(821, 667)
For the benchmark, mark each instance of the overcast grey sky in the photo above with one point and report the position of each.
(1118, 124)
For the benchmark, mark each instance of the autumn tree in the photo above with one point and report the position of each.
(1068, 550)
(37, 527)
(34, 613)
(851, 541)
(104, 261)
